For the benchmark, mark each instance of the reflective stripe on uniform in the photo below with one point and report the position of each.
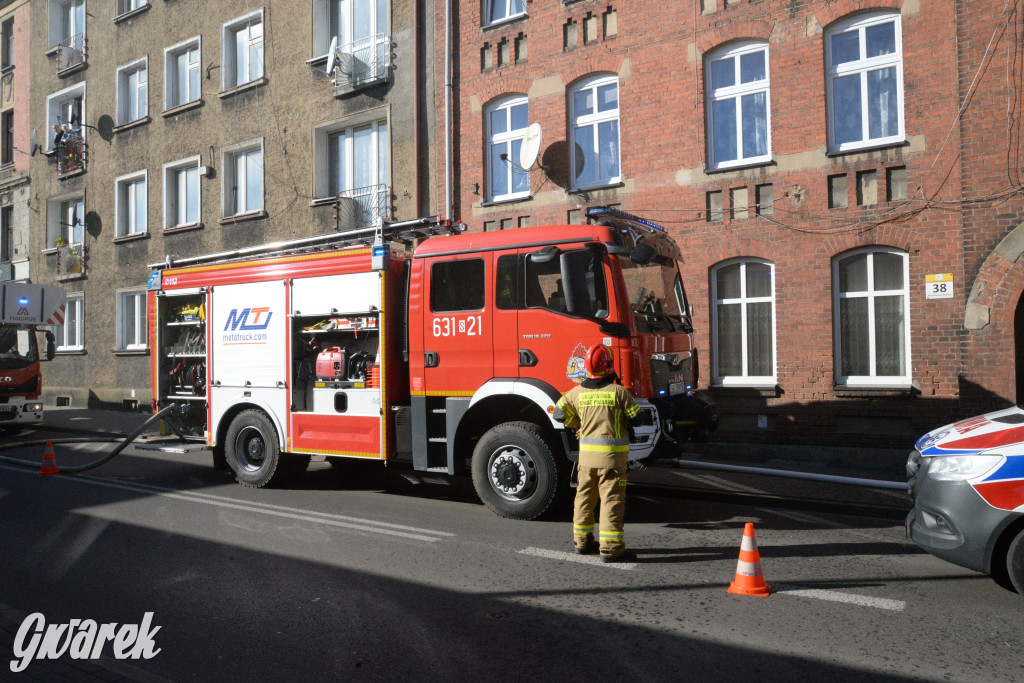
(633, 410)
(601, 441)
(611, 535)
(577, 529)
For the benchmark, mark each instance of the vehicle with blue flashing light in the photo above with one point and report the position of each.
(967, 483)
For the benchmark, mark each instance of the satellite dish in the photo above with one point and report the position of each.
(35, 142)
(332, 55)
(531, 147)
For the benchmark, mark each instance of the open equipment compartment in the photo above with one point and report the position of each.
(182, 359)
(332, 356)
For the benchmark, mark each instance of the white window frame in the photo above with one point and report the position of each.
(54, 111)
(172, 186)
(507, 8)
(873, 379)
(234, 176)
(55, 208)
(593, 120)
(126, 204)
(743, 379)
(861, 67)
(323, 31)
(323, 174)
(126, 6)
(173, 98)
(735, 93)
(507, 140)
(135, 339)
(63, 22)
(60, 332)
(230, 33)
(125, 98)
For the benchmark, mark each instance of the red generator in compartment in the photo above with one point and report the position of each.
(331, 364)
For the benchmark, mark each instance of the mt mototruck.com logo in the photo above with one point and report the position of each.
(245, 326)
(81, 639)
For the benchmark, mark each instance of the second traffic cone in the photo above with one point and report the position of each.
(749, 579)
(49, 461)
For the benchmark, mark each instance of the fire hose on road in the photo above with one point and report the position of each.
(76, 469)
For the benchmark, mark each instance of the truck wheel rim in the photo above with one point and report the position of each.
(251, 448)
(512, 473)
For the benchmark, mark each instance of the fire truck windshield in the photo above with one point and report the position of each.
(17, 348)
(656, 293)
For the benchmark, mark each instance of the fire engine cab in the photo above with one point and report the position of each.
(423, 343)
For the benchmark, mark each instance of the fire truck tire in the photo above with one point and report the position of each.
(252, 451)
(516, 473)
(1015, 562)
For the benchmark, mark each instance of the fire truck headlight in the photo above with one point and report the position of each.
(32, 407)
(962, 467)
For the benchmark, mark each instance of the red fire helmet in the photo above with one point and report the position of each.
(598, 361)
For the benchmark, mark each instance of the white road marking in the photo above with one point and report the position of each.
(342, 521)
(573, 557)
(836, 596)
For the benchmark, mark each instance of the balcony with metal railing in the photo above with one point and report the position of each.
(71, 52)
(70, 260)
(363, 207)
(361, 63)
(70, 153)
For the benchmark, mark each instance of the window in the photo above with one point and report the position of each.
(181, 69)
(65, 218)
(7, 131)
(181, 193)
(872, 314)
(66, 106)
(67, 22)
(595, 132)
(500, 10)
(7, 233)
(243, 180)
(457, 286)
(351, 164)
(243, 50)
(69, 335)
(133, 91)
(361, 29)
(864, 68)
(131, 207)
(131, 321)
(126, 6)
(738, 105)
(7, 43)
(506, 132)
(743, 322)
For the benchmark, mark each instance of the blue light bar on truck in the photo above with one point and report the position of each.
(599, 212)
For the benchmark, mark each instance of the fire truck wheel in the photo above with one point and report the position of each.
(252, 451)
(515, 472)
(1015, 562)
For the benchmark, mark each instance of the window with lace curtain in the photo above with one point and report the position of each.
(872, 317)
(743, 322)
(738, 105)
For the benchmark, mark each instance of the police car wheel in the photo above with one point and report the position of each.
(515, 471)
(1015, 562)
(252, 451)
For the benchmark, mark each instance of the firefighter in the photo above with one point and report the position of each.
(601, 410)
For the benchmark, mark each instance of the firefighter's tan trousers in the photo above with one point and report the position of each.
(609, 485)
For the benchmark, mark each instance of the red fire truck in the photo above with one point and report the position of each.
(25, 310)
(426, 344)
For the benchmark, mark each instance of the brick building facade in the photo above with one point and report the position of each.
(842, 177)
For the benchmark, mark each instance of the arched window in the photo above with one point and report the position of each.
(871, 309)
(594, 133)
(507, 121)
(864, 73)
(738, 105)
(743, 322)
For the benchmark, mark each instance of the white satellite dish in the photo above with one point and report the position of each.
(531, 147)
(332, 55)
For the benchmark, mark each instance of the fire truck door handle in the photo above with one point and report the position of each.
(430, 359)
(527, 358)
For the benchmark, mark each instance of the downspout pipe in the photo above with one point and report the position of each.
(448, 109)
(418, 123)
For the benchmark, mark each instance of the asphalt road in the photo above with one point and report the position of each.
(361, 573)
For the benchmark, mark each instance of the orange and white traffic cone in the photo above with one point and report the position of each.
(49, 462)
(749, 579)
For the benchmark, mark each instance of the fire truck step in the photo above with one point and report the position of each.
(437, 439)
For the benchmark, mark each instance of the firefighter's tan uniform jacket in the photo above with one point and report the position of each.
(601, 410)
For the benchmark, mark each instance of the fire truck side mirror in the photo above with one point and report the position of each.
(545, 255)
(51, 345)
(642, 254)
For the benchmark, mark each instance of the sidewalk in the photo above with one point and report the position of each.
(888, 464)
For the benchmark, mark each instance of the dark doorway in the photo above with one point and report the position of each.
(1018, 348)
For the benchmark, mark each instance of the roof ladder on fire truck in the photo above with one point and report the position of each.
(401, 231)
